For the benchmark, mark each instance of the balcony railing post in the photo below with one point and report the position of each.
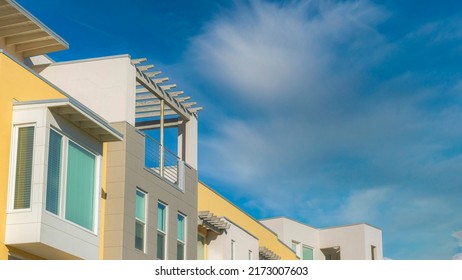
(161, 162)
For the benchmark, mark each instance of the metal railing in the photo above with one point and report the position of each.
(163, 162)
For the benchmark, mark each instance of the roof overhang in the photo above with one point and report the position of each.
(25, 33)
(79, 115)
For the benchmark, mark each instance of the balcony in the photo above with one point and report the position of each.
(163, 163)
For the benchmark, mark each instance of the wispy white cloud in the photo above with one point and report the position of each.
(315, 128)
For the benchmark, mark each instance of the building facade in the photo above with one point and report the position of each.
(350, 242)
(227, 229)
(50, 175)
(150, 203)
(67, 191)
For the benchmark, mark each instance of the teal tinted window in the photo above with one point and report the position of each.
(80, 187)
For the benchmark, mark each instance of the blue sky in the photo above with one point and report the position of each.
(328, 112)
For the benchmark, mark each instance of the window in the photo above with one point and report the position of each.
(76, 186)
(201, 247)
(80, 187)
(233, 250)
(250, 255)
(54, 172)
(180, 237)
(161, 230)
(307, 253)
(23, 167)
(140, 215)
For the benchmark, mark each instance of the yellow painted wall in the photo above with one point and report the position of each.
(16, 82)
(209, 200)
(103, 204)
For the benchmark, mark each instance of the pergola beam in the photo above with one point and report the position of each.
(162, 94)
(143, 68)
(138, 60)
(155, 114)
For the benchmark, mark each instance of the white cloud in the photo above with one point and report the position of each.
(313, 129)
(270, 52)
(458, 235)
(457, 256)
(364, 206)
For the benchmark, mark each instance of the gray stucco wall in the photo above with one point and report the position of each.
(126, 172)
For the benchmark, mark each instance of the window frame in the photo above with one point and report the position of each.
(178, 241)
(13, 166)
(143, 223)
(159, 231)
(233, 250)
(65, 143)
(297, 248)
(201, 235)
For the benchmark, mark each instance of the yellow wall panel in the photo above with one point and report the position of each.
(16, 83)
(208, 200)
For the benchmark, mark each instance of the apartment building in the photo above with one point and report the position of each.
(51, 149)
(349, 242)
(226, 232)
(87, 177)
(150, 202)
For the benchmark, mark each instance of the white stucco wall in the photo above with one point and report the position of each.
(106, 85)
(355, 241)
(289, 230)
(219, 246)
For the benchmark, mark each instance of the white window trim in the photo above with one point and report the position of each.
(233, 249)
(63, 181)
(205, 245)
(184, 242)
(145, 219)
(297, 248)
(166, 228)
(12, 171)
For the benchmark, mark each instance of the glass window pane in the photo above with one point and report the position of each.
(161, 213)
(180, 227)
(54, 172)
(307, 253)
(139, 236)
(23, 178)
(180, 251)
(140, 205)
(80, 187)
(160, 246)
